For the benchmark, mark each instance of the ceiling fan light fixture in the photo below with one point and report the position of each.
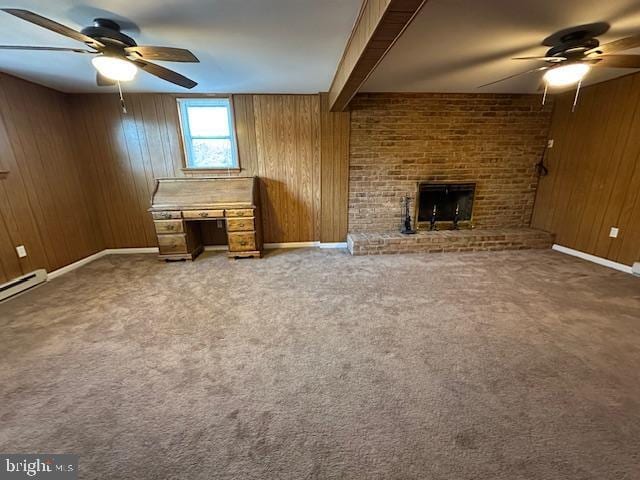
(564, 75)
(115, 68)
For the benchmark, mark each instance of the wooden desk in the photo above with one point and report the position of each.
(179, 205)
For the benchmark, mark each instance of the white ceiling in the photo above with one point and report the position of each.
(457, 45)
(245, 46)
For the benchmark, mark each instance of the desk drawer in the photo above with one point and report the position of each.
(169, 244)
(168, 226)
(241, 242)
(202, 214)
(166, 215)
(242, 224)
(240, 212)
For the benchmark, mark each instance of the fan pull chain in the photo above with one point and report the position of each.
(122, 104)
(575, 99)
(544, 96)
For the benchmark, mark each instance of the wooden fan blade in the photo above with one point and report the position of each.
(53, 26)
(103, 81)
(165, 74)
(539, 69)
(617, 61)
(167, 54)
(45, 49)
(544, 59)
(617, 45)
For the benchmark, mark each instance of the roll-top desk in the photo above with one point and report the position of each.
(179, 205)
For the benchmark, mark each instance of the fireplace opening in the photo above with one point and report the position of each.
(446, 198)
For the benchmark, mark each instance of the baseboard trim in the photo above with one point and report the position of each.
(138, 250)
(109, 251)
(333, 245)
(130, 251)
(216, 248)
(592, 258)
(291, 245)
(72, 266)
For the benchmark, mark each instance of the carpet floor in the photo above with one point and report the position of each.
(312, 364)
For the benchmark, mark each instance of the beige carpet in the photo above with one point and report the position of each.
(315, 364)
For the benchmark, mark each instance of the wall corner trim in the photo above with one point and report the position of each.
(592, 258)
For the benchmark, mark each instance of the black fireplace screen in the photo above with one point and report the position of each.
(446, 198)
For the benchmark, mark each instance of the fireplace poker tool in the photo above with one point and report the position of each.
(432, 220)
(456, 217)
(407, 229)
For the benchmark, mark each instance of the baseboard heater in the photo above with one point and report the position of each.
(22, 283)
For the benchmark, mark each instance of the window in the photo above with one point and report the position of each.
(208, 133)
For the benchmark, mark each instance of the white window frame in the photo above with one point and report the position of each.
(183, 104)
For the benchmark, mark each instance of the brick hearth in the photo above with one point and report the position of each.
(476, 240)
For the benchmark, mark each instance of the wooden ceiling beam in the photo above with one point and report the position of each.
(380, 23)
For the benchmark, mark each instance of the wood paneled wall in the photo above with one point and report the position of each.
(594, 172)
(335, 133)
(287, 142)
(123, 154)
(81, 173)
(279, 140)
(45, 201)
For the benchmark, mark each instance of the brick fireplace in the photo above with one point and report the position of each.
(401, 141)
(398, 140)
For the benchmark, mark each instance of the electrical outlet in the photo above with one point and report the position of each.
(22, 252)
(614, 232)
(550, 143)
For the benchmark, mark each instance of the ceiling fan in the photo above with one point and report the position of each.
(117, 56)
(574, 51)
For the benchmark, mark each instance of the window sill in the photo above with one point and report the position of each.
(211, 170)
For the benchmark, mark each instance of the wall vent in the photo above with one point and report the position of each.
(22, 283)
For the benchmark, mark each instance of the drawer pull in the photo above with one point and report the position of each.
(204, 214)
(170, 227)
(243, 243)
(165, 215)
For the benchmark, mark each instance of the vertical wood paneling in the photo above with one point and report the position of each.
(43, 202)
(82, 172)
(246, 133)
(287, 136)
(279, 140)
(594, 172)
(334, 135)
